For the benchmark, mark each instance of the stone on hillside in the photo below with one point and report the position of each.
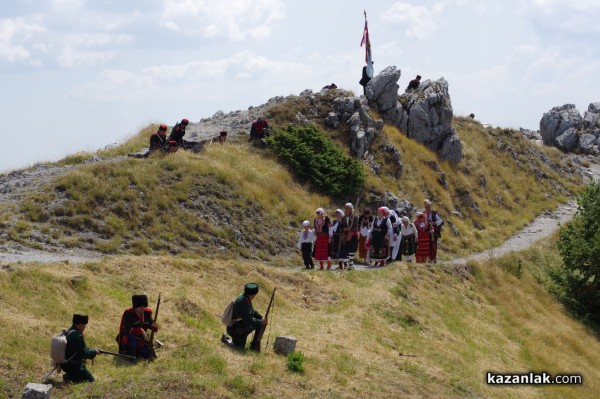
(558, 120)
(405, 208)
(587, 143)
(37, 391)
(591, 118)
(306, 93)
(285, 345)
(452, 148)
(531, 134)
(332, 121)
(568, 140)
(301, 118)
(382, 90)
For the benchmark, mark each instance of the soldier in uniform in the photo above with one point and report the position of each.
(178, 132)
(158, 140)
(133, 338)
(246, 319)
(77, 352)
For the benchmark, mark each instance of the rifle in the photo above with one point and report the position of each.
(151, 344)
(115, 354)
(255, 345)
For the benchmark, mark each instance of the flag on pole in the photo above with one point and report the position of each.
(368, 55)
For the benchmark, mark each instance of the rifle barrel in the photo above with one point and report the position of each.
(115, 354)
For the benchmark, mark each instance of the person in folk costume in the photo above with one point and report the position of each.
(365, 222)
(378, 239)
(436, 222)
(394, 236)
(133, 338)
(77, 351)
(321, 226)
(408, 239)
(305, 243)
(350, 234)
(336, 239)
(424, 234)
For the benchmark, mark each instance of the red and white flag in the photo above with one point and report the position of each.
(368, 56)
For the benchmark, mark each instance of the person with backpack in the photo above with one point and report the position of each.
(133, 339)
(437, 222)
(178, 132)
(243, 319)
(76, 352)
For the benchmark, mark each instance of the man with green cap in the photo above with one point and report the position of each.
(77, 352)
(246, 319)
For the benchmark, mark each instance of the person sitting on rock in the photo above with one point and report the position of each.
(158, 140)
(258, 131)
(133, 339)
(178, 132)
(414, 84)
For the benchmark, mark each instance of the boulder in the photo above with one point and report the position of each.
(382, 90)
(587, 143)
(285, 345)
(558, 120)
(37, 391)
(568, 140)
(591, 117)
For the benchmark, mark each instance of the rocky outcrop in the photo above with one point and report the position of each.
(565, 128)
(424, 114)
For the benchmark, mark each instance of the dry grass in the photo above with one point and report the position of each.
(351, 328)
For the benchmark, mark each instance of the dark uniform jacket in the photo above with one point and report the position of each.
(157, 141)
(76, 347)
(132, 324)
(243, 310)
(177, 133)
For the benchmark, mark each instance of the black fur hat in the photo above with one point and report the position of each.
(251, 289)
(139, 300)
(80, 319)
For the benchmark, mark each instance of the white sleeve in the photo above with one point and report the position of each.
(438, 220)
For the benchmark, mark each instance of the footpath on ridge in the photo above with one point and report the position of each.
(16, 185)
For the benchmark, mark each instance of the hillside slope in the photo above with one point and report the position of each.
(405, 331)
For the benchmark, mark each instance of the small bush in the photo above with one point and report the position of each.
(315, 159)
(295, 360)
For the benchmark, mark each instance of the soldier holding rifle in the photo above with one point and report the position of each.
(246, 319)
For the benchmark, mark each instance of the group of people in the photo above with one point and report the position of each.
(133, 339)
(159, 141)
(379, 239)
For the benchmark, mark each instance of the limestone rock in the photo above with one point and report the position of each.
(588, 143)
(37, 391)
(558, 120)
(568, 140)
(382, 90)
(591, 118)
(285, 345)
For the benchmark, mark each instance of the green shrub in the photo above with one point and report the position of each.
(579, 246)
(295, 360)
(314, 159)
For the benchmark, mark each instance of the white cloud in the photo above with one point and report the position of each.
(235, 19)
(14, 33)
(71, 58)
(420, 20)
(114, 85)
(575, 16)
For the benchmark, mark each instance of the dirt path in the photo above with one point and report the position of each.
(15, 185)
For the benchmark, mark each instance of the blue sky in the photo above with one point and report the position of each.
(77, 75)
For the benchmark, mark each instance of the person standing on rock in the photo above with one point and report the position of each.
(364, 80)
(178, 132)
(77, 351)
(408, 239)
(424, 235)
(133, 338)
(246, 319)
(350, 234)
(158, 140)
(321, 226)
(378, 239)
(365, 222)
(414, 84)
(436, 222)
(305, 243)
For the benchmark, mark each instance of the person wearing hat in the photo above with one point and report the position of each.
(349, 226)
(408, 239)
(258, 131)
(336, 240)
(247, 319)
(378, 238)
(178, 132)
(158, 140)
(321, 226)
(305, 242)
(365, 222)
(436, 222)
(133, 338)
(77, 351)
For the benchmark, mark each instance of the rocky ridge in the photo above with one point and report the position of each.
(564, 127)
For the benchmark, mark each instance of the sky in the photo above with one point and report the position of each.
(78, 75)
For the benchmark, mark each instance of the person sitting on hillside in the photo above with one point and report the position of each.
(246, 319)
(133, 339)
(77, 351)
(158, 140)
(258, 131)
(178, 132)
(414, 84)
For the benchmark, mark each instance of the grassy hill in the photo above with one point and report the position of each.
(451, 325)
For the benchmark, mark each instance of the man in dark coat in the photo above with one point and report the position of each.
(364, 80)
(158, 140)
(258, 131)
(133, 338)
(414, 84)
(77, 352)
(246, 319)
(178, 132)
